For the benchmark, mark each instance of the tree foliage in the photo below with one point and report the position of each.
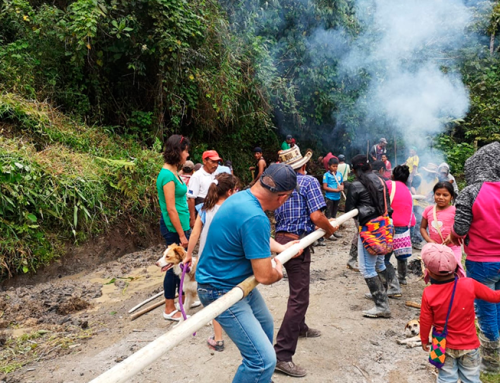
(120, 76)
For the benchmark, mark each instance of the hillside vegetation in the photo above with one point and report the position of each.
(91, 89)
(64, 181)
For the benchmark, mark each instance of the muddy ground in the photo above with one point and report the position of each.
(76, 327)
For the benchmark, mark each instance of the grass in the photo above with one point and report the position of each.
(62, 181)
(490, 378)
(37, 346)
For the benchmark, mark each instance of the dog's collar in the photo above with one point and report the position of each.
(183, 265)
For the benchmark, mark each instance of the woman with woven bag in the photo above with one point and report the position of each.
(403, 219)
(368, 193)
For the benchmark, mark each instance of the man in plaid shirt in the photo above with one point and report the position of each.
(296, 218)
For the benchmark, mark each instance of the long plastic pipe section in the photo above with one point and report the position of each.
(156, 349)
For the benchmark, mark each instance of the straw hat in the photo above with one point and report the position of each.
(293, 157)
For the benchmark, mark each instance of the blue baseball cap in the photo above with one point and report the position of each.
(279, 178)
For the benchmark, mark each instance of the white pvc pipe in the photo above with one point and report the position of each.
(156, 349)
(418, 197)
(144, 302)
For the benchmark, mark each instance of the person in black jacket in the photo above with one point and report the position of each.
(367, 195)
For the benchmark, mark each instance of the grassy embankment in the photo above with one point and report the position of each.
(62, 181)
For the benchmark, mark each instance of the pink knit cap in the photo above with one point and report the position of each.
(438, 259)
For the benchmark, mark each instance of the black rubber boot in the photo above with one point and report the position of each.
(381, 309)
(393, 287)
(490, 354)
(390, 282)
(353, 254)
(402, 267)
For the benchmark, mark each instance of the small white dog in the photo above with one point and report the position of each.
(412, 331)
(412, 328)
(172, 257)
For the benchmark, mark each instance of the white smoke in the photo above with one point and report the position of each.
(406, 49)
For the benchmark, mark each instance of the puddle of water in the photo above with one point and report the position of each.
(111, 293)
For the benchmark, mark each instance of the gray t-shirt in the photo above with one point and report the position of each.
(206, 219)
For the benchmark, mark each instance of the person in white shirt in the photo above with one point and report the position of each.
(200, 182)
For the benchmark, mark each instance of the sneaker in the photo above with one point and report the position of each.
(290, 369)
(215, 345)
(338, 235)
(332, 237)
(417, 245)
(353, 266)
(310, 333)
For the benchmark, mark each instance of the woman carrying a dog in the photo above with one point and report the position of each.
(221, 189)
(369, 195)
(174, 221)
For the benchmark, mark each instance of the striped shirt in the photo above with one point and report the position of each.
(294, 215)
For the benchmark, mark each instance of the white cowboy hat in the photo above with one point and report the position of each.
(293, 157)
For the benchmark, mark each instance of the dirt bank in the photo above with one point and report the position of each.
(122, 239)
(74, 328)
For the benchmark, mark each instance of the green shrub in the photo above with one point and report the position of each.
(61, 181)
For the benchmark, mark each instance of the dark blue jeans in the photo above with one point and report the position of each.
(488, 314)
(171, 281)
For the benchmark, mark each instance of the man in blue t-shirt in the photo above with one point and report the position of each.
(239, 245)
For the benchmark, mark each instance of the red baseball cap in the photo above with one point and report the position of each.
(438, 259)
(212, 154)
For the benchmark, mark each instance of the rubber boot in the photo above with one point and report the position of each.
(353, 254)
(390, 282)
(381, 309)
(490, 354)
(402, 267)
(393, 287)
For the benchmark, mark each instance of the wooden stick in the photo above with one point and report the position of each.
(338, 184)
(144, 302)
(413, 304)
(146, 310)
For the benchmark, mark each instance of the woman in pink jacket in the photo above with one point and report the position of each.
(477, 224)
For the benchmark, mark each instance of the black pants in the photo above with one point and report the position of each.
(332, 207)
(294, 322)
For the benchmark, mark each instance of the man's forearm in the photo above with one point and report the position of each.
(320, 220)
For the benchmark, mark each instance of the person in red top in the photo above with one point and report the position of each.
(388, 166)
(462, 344)
(326, 159)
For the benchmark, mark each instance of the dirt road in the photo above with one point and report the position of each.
(74, 328)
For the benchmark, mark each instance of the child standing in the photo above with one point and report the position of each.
(388, 167)
(221, 188)
(462, 359)
(439, 219)
(333, 184)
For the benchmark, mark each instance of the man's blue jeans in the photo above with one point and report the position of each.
(369, 264)
(488, 314)
(249, 324)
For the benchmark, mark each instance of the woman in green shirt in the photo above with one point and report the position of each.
(174, 221)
